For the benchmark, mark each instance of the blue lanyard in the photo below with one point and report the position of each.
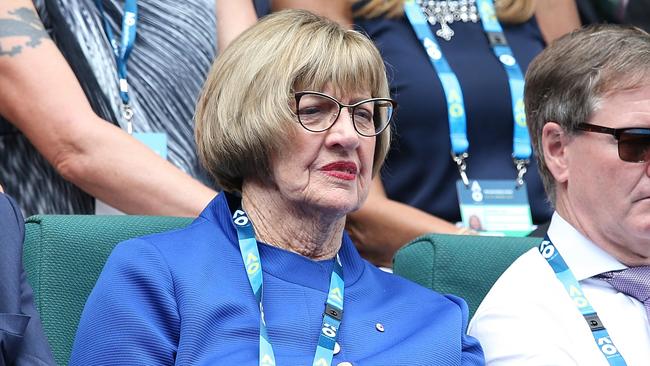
(573, 288)
(332, 315)
(521, 149)
(122, 51)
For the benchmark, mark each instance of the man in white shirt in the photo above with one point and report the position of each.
(573, 300)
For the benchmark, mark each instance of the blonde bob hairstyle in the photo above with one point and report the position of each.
(245, 111)
(508, 11)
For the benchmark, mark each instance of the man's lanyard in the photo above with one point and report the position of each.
(332, 315)
(122, 51)
(521, 149)
(573, 288)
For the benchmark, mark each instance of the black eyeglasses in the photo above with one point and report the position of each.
(633, 143)
(317, 112)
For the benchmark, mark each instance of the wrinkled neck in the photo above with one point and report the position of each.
(283, 224)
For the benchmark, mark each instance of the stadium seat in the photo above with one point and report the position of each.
(64, 255)
(462, 265)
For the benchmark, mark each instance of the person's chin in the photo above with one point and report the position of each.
(342, 202)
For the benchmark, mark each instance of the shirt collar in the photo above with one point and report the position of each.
(584, 258)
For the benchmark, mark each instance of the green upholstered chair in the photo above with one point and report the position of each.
(63, 256)
(463, 265)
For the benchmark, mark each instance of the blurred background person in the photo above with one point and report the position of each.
(417, 192)
(586, 288)
(64, 135)
(22, 341)
(295, 117)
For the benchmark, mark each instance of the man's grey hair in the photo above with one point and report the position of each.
(566, 82)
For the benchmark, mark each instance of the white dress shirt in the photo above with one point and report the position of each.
(527, 318)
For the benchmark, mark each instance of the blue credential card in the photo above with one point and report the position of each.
(495, 207)
(156, 141)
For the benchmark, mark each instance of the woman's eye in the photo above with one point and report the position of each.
(362, 115)
(310, 110)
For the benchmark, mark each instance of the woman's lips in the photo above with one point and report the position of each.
(345, 170)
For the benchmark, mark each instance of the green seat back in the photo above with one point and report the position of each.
(64, 255)
(462, 265)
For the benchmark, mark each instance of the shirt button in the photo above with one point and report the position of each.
(345, 364)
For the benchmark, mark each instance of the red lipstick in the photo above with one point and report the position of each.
(345, 170)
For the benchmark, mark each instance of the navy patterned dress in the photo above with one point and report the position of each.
(419, 170)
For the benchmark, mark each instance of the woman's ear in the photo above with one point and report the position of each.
(554, 144)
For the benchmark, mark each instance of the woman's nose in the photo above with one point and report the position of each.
(343, 132)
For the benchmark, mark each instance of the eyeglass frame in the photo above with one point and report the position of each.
(351, 107)
(615, 132)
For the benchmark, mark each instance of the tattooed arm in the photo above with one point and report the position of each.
(42, 98)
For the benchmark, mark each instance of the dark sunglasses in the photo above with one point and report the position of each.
(633, 143)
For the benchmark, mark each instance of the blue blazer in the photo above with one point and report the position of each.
(183, 298)
(22, 341)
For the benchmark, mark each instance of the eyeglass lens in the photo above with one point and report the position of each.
(634, 145)
(318, 113)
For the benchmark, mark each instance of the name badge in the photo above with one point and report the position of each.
(495, 207)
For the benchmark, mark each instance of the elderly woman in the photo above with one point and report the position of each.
(293, 122)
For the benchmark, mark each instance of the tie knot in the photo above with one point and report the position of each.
(634, 281)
